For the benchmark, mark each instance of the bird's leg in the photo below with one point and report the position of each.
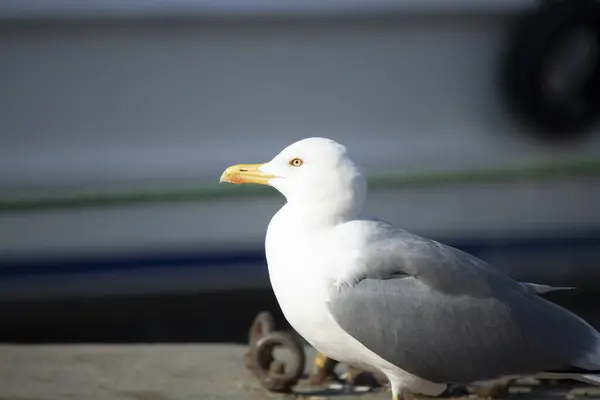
(321, 360)
(351, 373)
(323, 370)
(355, 375)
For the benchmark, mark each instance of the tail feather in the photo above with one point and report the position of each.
(592, 378)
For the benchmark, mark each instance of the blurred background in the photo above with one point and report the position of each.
(477, 121)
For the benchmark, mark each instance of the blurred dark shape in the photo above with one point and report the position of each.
(551, 75)
(214, 317)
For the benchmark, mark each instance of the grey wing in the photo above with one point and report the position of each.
(437, 264)
(391, 252)
(449, 338)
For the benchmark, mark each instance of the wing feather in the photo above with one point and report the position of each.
(460, 339)
(448, 316)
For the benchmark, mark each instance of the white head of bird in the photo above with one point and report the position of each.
(316, 175)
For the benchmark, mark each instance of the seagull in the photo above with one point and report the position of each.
(423, 313)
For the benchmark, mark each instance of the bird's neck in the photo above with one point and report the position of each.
(318, 216)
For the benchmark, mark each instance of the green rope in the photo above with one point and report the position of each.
(204, 193)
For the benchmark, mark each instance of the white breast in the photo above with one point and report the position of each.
(300, 279)
(298, 285)
(303, 303)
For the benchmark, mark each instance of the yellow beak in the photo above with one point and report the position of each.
(246, 173)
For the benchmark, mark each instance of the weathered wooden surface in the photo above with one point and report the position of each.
(168, 372)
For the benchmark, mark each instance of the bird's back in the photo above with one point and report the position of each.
(447, 316)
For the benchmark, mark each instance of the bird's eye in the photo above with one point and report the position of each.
(296, 162)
